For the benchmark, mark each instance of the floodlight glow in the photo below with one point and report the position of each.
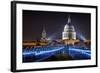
(81, 36)
(49, 38)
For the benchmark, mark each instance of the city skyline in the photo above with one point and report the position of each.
(35, 21)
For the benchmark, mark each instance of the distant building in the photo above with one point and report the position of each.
(43, 37)
(69, 31)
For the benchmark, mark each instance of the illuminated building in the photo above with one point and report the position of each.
(69, 34)
(69, 31)
(43, 38)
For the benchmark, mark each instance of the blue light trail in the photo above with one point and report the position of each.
(46, 52)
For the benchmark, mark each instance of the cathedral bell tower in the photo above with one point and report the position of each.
(43, 37)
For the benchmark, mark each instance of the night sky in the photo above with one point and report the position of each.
(53, 22)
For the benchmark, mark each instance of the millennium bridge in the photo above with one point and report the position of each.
(54, 53)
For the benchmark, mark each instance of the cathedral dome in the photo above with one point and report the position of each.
(69, 31)
(69, 28)
(66, 27)
(72, 29)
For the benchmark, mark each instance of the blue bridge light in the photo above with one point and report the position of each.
(42, 53)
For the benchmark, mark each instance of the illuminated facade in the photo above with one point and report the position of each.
(69, 31)
(43, 35)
